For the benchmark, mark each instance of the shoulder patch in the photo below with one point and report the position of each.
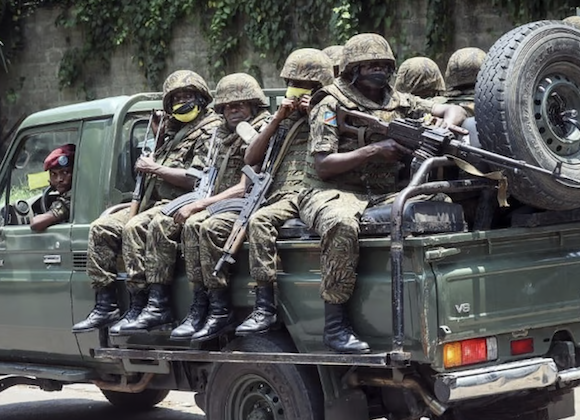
(330, 118)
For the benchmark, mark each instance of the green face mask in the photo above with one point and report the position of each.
(187, 117)
(294, 92)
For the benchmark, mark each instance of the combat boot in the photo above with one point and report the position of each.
(156, 314)
(338, 334)
(105, 312)
(138, 300)
(195, 318)
(220, 316)
(264, 314)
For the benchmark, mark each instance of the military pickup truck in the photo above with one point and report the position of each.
(469, 317)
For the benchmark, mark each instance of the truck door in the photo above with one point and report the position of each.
(35, 267)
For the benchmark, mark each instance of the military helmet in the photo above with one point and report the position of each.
(308, 64)
(183, 79)
(573, 20)
(420, 76)
(238, 87)
(462, 68)
(365, 47)
(335, 53)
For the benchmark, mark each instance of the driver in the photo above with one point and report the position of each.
(59, 164)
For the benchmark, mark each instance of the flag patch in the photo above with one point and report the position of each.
(330, 119)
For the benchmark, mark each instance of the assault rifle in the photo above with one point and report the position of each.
(140, 179)
(260, 184)
(427, 141)
(206, 185)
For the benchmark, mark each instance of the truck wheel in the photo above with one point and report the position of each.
(263, 391)
(527, 93)
(141, 401)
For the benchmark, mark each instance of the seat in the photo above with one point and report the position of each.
(419, 218)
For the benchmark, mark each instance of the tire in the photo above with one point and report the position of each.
(271, 391)
(529, 77)
(141, 401)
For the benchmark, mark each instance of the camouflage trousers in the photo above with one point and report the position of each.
(262, 232)
(163, 243)
(117, 233)
(335, 216)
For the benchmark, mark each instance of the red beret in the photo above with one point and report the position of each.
(60, 157)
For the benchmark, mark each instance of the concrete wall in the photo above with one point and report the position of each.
(32, 81)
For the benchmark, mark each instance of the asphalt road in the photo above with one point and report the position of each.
(87, 403)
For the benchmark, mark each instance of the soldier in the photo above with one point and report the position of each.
(189, 127)
(460, 77)
(344, 174)
(305, 71)
(239, 98)
(420, 76)
(59, 164)
(573, 20)
(335, 53)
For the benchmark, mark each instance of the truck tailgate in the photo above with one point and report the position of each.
(504, 283)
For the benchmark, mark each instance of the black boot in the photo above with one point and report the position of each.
(105, 312)
(220, 317)
(156, 314)
(264, 314)
(195, 317)
(138, 300)
(338, 334)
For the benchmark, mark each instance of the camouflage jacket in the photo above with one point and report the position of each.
(184, 149)
(60, 208)
(230, 153)
(376, 176)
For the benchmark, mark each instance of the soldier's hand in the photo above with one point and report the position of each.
(183, 213)
(286, 108)
(146, 165)
(440, 122)
(390, 150)
(304, 104)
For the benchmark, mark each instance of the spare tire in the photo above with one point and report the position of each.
(527, 100)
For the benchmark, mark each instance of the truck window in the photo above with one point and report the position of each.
(26, 178)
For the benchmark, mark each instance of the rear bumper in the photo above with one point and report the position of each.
(493, 380)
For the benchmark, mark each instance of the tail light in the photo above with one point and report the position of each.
(469, 352)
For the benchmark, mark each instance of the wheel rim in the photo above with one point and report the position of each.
(253, 398)
(556, 106)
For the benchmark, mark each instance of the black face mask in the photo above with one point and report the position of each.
(377, 80)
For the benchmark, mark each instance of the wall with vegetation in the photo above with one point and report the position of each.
(61, 51)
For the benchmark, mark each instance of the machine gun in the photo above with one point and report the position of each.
(260, 185)
(427, 141)
(206, 185)
(140, 179)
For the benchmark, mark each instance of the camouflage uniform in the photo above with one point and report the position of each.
(263, 226)
(164, 232)
(460, 77)
(60, 208)
(420, 76)
(111, 234)
(335, 54)
(573, 20)
(333, 207)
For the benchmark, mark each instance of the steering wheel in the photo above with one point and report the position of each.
(44, 199)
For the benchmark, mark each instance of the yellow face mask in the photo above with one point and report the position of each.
(295, 92)
(188, 117)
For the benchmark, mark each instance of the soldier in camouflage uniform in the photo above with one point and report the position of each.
(239, 98)
(335, 54)
(305, 71)
(460, 77)
(344, 174)
(573, 20)
(420, 76)
(186, 136)
(59, 163)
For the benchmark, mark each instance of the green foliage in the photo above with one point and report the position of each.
(440, 27)
(523, 11)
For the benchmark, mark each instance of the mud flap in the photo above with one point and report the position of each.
(351, 405)
(563, 407)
